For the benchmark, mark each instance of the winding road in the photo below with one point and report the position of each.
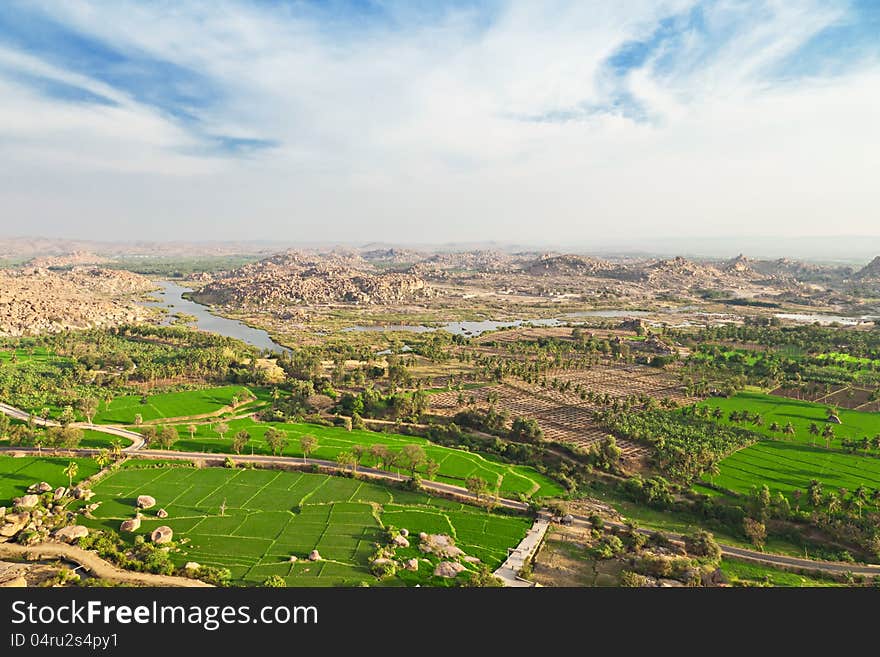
(137, 449)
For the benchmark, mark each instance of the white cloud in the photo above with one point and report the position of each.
(413, 133)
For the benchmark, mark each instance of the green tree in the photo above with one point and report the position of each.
(166, 437)
(88, 406)
(413, 456)
(703, 545)
(431, 468)
(67, 416)
(240, 440)
(307, 444)
(275, 582)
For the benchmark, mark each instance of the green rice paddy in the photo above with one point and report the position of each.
(455, 465)
(122, 410)
(270, 515)
(16, 474)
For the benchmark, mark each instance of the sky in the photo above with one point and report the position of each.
(424, 121)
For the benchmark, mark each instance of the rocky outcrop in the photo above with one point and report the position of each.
(27, 501)
(162, 534)
(146, 501)
(161, 513)
(35, 300)
(293, 278)
(130, 525)
(314, 555)
(440, 545)
(71, 533)
(12, 524)
(870, 272)
(448, 569)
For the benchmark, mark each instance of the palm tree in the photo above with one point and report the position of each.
(71, 470)
(192, 431)
(116, 449)
(103, 458)
(789, 429)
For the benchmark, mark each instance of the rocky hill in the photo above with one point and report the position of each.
(36, 300)
(69, 259)
(569, 265)
(870, 272)
(298, 278)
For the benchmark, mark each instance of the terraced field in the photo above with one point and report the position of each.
(271, 515)
(16, 474)
(122, 410)
(455, 465)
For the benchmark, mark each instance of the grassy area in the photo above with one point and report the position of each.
(16, 474)
(745, 573)
(455, 465)
(686, 523)
(801, 414)
(29, 355)
(168, 405)
(789, 466)
(271, 515)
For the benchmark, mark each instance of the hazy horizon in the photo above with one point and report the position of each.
(699, 124)
(845, 250)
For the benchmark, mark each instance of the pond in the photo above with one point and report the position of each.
(810, 318)
(478, 328)
(171, 299)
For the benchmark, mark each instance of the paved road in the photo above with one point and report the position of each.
(508, 572)
(137, 441)
(137, 450)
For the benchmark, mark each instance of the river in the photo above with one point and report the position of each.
(171, 299)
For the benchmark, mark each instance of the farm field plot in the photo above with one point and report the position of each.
(455, 465)
(786, 467)
(801, 414)
(563, 417)
(36, 354)
(745, 573)
(17, 473)
(168, 405)
(270, 515)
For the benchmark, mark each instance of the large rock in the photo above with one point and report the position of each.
(162, 534)
(314, 555)
(60, 492)
(400, 541)
(12, 524)
(2, 512)
(83, 493)
(44, 487)
(146, 502)
(404, 532)
(71, 533)
(448, 569)
(192, 566)
(130, 525)
(161, 513)
(411, 564)
(28, 501)
(440, 544)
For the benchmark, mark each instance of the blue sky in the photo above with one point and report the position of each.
(369, 120)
